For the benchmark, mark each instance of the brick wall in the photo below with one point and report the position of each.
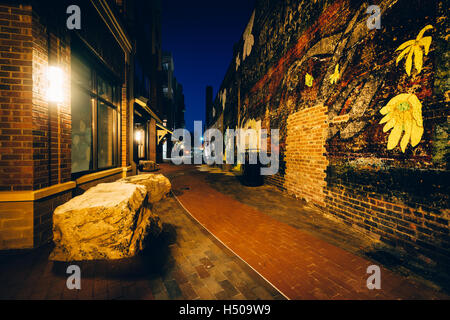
(27, 150)
(35, 136)
(276, 180)
(51, 121)
(412, 225)
(43, 217)
(400, 197)
(306, 161)
(40, 122)
(16, 138)
(16, 225)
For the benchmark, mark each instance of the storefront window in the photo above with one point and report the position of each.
(94, 118)
(81, 130)
(81, 73)
(105, 89)
(106, 144)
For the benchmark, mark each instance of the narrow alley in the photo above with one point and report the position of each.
(186, 153)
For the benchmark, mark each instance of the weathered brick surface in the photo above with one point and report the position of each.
(395, 222)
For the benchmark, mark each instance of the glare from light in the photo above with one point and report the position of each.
(138, 136)
(55, 85)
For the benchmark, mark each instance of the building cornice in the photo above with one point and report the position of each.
(113, 24)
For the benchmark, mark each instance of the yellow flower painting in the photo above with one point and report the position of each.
(403, 113)
(414, 48)
(335, 76)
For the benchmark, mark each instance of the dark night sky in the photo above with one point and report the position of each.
(201, 35)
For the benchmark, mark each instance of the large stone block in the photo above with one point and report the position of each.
(109, 221)
(148, 166)
(158, 186)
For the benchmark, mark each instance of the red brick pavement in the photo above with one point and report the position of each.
(300, 265)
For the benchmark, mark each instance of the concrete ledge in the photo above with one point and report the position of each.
(98, 175)
(21, 196)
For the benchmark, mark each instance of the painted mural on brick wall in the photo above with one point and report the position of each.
(386, 93)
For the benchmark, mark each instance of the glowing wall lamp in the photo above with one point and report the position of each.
(55, 91)
(138, 136)
(140, 140)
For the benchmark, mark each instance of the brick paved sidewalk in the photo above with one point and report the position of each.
(299, 264)
(185, 262)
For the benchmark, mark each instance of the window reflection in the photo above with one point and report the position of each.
(81, 130)
(106, 123)
(94, 101)
(105, 89)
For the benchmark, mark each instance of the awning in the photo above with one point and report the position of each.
(162, 132)
(143, 102)
(164, 128)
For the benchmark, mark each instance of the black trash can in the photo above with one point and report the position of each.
(252, 172)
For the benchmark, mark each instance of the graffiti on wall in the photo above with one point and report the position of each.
(414, 47)
(307, 54)
(403, 113)
(359, 109)
(249, 39)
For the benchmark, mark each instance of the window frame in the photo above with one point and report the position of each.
(98, 70)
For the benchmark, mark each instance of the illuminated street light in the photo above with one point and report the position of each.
(55, 84)
(138, 136)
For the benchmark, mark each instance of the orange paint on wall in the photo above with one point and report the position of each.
(274, 76)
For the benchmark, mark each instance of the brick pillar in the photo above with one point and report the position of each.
(152, 140)
(124, 125)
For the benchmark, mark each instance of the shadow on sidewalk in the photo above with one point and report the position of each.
(154, 261)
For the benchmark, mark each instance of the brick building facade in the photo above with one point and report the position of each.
(52, 150)
(143, 21)
(317, 72)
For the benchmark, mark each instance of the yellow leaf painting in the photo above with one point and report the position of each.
(335, 76)
(309, 80)
(413, 48)
(403, 113)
